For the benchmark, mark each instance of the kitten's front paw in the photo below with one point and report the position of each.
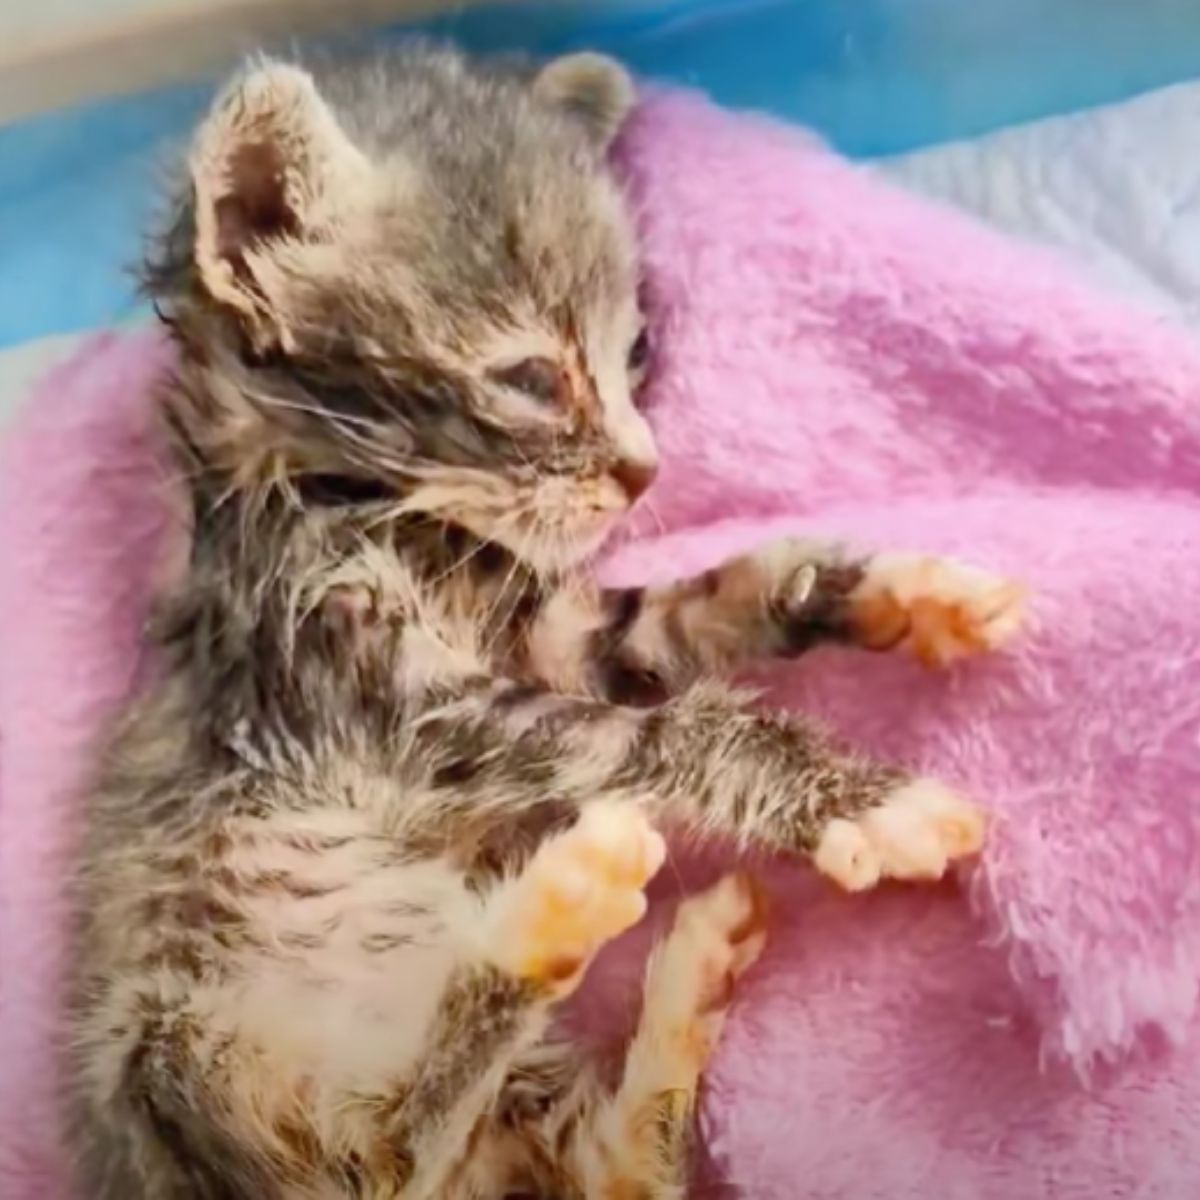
(937, 609)
(582, 888)
(790, 582)
(915, 834)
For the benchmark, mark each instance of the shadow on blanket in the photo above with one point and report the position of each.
(837, 357)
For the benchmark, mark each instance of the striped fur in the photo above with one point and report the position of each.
(398, 778)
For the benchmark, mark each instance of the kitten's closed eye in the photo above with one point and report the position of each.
(540, 379)
(639, 352)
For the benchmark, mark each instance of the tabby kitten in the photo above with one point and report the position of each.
(399, 777)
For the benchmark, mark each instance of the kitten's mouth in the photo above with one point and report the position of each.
(555, 524)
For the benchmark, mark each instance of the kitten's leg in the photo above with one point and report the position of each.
(773, 780)
(639, 1139)
(705, 760)
(634, 1140)
(238, 1115)
(793, 594)
(539, 932)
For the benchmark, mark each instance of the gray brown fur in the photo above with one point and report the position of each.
(380, 692)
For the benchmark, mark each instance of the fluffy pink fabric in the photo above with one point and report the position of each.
(842, 359)
(81, 524)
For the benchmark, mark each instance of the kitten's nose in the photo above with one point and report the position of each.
(634, 476)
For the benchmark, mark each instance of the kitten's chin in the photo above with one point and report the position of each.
(555, 551)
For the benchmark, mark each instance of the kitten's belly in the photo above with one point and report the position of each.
(352, 944)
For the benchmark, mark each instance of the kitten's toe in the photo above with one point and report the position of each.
(847, 857)
(582, 888)
(921, 828)
(937, 609)
(914, 834)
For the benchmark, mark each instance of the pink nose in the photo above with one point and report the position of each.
(634, 477)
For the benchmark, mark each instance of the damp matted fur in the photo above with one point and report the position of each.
(400, 775)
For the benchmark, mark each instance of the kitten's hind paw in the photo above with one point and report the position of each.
(937, 609)
(582, 888)
(717, 936)
(915, 833)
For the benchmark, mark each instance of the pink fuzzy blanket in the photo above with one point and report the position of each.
(838, 358)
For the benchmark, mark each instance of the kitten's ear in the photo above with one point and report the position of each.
(593, 88)
(266, 166)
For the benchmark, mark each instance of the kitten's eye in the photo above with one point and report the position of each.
(538, 378)
(639, 352)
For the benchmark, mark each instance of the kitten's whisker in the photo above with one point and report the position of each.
(520, 565)
(493, 610)
(481, 544)
(315, 410)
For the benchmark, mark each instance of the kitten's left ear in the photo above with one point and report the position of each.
(268, 166)
(593, 88)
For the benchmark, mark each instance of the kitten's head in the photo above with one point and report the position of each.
(416, 278)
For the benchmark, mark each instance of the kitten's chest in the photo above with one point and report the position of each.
(482, 614)
(560, 646)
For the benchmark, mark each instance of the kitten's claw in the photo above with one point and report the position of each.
(797, 592)
(937, 609)
(914, 834)
(582, 888)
